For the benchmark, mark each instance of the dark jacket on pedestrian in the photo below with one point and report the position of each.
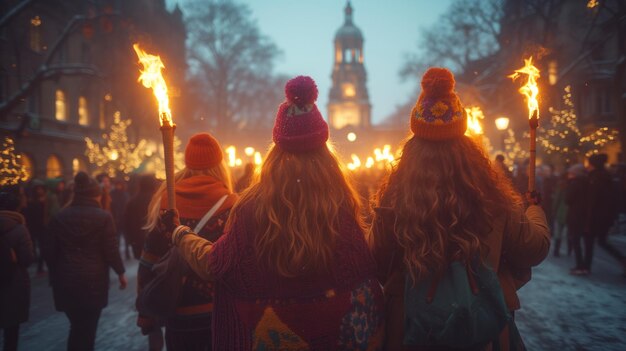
(136, 212)
(15, 296)
(81, 247)
(576, 198)
(602, 200)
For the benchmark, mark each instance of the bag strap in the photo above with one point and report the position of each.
(209, 214)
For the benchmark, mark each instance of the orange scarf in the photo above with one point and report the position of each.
(196, 195)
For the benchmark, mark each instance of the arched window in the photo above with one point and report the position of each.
(83, 111)
(79, 165)
(60, 109)
(54, 167)
(27, 163)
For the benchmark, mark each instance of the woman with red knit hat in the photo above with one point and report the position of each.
(293, 270)
(444, 206)
(203, 198)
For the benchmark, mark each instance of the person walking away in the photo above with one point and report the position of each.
(292, 271)
(202, 184)
(82, 246)
(105, 184)
(445, 202)
(559, 209)
(500, 165)
(35, 216)
(602, 211)
(548, 187)
(119, 199)
(244, 181)
(576, 197)
(135, 213)
(16, 254)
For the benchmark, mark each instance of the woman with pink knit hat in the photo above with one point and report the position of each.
(292, 271)
(204, 198)
(442, 208)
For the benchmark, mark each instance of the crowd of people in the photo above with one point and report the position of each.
(290, 257)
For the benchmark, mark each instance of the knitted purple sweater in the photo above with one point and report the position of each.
(256, 309)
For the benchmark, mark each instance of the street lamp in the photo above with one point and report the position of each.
(502, 124)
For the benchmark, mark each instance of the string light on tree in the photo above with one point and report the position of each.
(12, 171)
(563, 137)
(116, 154)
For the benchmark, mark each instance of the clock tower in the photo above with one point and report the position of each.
(348, 101)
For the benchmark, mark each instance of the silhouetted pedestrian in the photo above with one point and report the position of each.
(81, 247)
(16, 254)
(136, 212)
(576, 197)
(602, 211)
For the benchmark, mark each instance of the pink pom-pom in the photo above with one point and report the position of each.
(437, 82)
(301, 91)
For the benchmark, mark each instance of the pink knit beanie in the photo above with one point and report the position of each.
(299, 125)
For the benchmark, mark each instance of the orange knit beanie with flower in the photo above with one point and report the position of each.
(438, 113)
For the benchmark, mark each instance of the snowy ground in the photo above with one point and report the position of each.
(559, 311)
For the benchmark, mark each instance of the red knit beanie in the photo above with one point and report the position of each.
(299, 125)
(438, 113)
(203, 152)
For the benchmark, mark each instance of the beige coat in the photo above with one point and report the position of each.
(516, 243)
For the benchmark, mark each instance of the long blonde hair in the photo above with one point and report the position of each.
(297, 200)
(219, 172)
(445, 196)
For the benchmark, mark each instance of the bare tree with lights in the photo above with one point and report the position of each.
(116, 155)
(561, 136)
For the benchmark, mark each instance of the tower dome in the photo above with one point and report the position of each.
(349, 36)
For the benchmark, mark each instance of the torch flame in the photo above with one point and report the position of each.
(474, 126)
(151, 77)
(530, 89)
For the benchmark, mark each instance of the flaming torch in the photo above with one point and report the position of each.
(151, 78)
(531, 91)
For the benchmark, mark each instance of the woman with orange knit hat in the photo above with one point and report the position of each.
(203, 198)
(293, 270)
(445, 207)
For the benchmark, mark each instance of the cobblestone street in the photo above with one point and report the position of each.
(559, 311)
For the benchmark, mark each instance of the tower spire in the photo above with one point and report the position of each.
(348, 12)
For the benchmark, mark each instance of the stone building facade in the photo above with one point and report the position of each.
(67, 67)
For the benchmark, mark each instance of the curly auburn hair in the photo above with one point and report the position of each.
(445, 195)
(297, 200)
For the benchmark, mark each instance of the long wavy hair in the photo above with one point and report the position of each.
(219, 172)
(445, 195)
(297, 200)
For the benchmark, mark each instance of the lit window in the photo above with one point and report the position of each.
(54, 168)
(83, 111)
(553, 72)
(35, 33)
(348, 90)
(101, 119)
(78, 165)
(27, 163)
(60, 111)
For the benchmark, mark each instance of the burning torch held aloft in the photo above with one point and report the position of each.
(151, 77)
(531, 91)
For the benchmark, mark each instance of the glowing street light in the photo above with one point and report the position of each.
(502, 123)
(351, 137)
